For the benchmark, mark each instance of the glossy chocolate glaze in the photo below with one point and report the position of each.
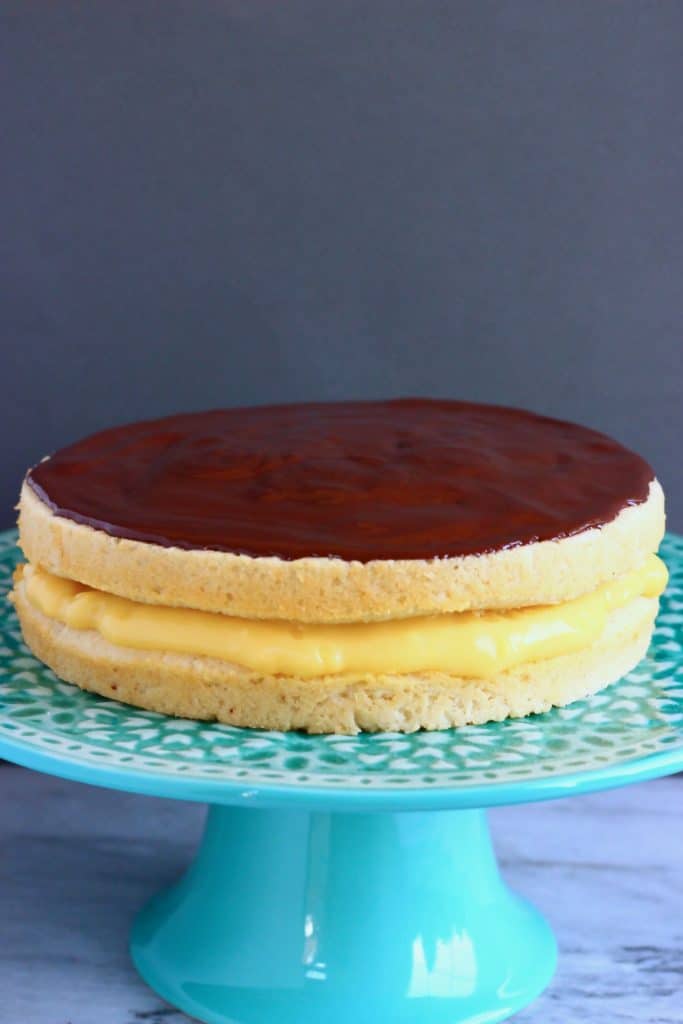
(411, 478)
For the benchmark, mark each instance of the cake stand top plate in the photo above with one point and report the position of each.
(629, 732)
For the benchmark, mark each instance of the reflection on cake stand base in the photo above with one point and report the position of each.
(298, 917)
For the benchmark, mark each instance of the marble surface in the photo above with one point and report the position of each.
(77, 862)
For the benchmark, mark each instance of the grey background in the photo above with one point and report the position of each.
(208, 203)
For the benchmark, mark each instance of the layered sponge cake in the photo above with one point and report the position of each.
(337, 567)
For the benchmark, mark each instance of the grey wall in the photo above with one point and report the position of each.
(234, 201)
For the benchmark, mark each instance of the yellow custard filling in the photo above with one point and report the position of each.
(471, 644)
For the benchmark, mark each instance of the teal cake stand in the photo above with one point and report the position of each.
(347, 879)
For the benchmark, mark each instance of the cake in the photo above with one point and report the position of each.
(337, 567)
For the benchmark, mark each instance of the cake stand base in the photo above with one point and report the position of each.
(301, 917)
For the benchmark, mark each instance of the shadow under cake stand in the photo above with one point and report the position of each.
(347, 878)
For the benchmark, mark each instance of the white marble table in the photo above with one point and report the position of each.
(77, 862)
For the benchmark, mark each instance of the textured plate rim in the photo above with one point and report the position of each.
(225, 791)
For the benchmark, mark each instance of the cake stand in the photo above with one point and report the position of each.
(347, 878)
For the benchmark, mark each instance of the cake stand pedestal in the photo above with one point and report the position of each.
(347, 878)
(295, 916)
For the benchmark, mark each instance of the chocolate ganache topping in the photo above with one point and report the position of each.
(411, 478)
